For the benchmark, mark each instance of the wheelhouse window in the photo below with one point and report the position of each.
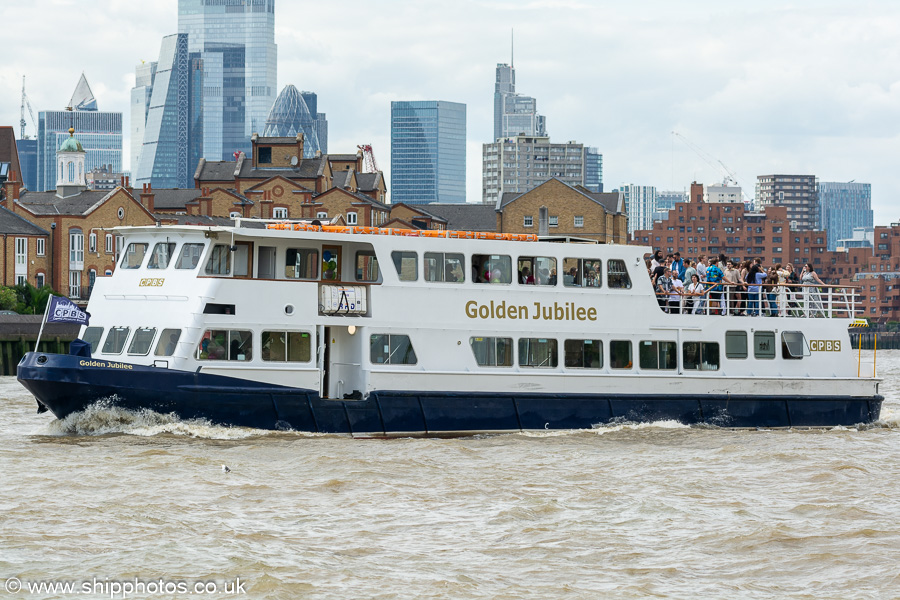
(366, 266)
(492, 351)
(700, 356)
(582, 272)
(161, 255)
(658, 355)
(189, 257)
(764, 344)
(225, 344)
(537, 270)
(301, 263)
(620, 354)
(286, 346)
(583, 354)
(219, 262)
(445, 267)
(538, 352)
(491, 268)
(793, 345)
(735, 344)
(407, 264)
(92, 336)
(617, 274)
(168, 342)
(134, 256)
(115, 340)
(391, 350)
(142, 340)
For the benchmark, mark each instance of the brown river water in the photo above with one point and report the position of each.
(124, 505)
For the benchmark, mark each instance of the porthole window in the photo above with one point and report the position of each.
(288, 309)
(121, 213)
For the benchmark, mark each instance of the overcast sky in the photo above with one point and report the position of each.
(810, 87)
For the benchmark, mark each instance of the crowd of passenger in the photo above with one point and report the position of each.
(721, 286)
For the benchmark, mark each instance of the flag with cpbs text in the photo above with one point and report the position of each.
(63, 310)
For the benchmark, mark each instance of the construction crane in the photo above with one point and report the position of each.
(369, 163)
(730, 177)
(25, 103)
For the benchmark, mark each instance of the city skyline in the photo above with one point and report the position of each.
(820, 98)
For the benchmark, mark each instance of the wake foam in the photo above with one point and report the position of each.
(104, 418)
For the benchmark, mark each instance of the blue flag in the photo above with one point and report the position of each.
(63, 310)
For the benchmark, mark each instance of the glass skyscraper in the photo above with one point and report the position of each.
(844, 207)
(171, 131)
(100, 133)
(428, 152)
(514, 114)
(236, 43)
(593, 169)
(28, 161)
(292, 114)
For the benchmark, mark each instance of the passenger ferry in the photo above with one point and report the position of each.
(381, 332)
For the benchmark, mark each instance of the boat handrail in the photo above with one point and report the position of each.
(792, 300)
(436, 233)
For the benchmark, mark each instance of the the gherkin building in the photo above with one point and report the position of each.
(295, 112)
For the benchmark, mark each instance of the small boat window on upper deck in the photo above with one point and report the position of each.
(366, 266)
(407, 264)
(115, 340)
(584, 354)
(538, 352)
(445, 267)
(189, 257)
(92, 336)
(391, 349)
(582, 272)
(491, 268)
(161, 255)
(700, 356)
(537, 270)
(301, 263)
(219, 262)
(142, 340)
(492, 351)
(134, 256)
(617, 274)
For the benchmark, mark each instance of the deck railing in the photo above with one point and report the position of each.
(773, 300)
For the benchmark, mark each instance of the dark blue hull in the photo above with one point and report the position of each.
(67, 384)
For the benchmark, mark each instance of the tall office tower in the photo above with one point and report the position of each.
(593, 169)
(312, 102)
(797, 192)
(236, 43)
(640, 204)
(172, 132)
(521, 163)
(100, 133)
(844, 207)
(428, 152)
(144, 74)
(28, 161)
(291, 114)
(514, 114)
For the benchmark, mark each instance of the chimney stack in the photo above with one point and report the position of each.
(147, 197)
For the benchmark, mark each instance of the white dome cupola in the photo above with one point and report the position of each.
(70, 175)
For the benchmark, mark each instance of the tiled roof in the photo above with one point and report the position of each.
(48, 203)
(215, 170)
(309, 168)
(341, 178)
(368, 181)
(173, 198)
(276, 140)
(13, 224)
(341, 157)
(465, 217)
(358, 195)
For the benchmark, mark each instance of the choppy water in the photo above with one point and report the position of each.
(659, 511)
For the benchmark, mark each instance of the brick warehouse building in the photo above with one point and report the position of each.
(695, 228)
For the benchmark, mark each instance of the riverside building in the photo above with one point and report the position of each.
(521, 163)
